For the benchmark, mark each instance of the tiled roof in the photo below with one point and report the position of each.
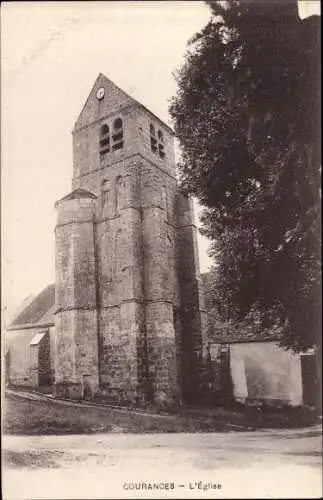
(13, 312)
(226, 332)
(40, 310)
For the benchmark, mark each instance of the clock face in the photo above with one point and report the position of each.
(100, 93)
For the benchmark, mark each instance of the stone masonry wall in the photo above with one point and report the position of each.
(158, 226)
(76, 343)
(120, 282)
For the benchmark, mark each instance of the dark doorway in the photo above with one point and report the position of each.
(310, 380)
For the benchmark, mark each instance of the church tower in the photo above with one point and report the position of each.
(129, 322)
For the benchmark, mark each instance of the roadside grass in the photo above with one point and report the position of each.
(263, 416)
(26, 417)
(31, 458)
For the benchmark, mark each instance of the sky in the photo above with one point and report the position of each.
(52, 53)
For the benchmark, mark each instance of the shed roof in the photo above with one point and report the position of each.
(37, 338)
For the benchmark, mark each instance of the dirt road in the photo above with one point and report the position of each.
(276, 464)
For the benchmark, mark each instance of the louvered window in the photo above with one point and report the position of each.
(157, 141)
(161, 147)
(153, 139)
(104, 140)
(117, 135)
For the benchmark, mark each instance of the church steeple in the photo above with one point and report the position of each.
(113, 126)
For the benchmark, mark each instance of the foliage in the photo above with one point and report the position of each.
(247, 118)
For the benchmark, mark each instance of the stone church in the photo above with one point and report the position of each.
(129, 319)
(125, 319)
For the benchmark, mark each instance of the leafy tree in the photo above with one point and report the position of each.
(246, 114)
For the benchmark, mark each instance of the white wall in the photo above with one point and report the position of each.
(265, 371)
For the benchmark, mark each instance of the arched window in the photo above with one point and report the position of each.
(161, 149)
(153, 139)
(104, 140)
(117, 135)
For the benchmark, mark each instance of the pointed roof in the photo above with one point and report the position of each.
(78, 193)
(39, 311)
(114, 99)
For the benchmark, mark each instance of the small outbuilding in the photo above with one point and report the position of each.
(29, 343)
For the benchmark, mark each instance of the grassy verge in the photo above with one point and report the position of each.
(22, 416)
